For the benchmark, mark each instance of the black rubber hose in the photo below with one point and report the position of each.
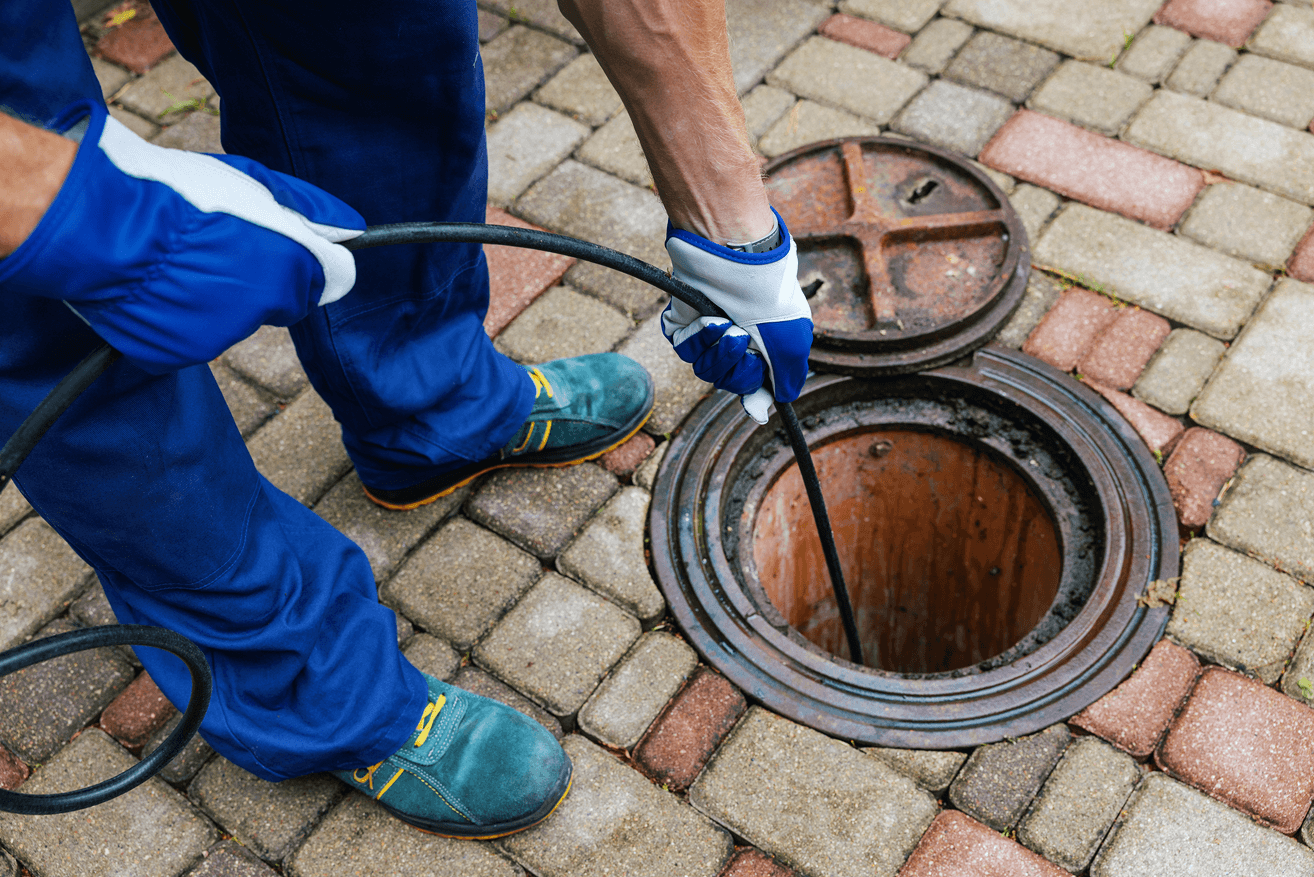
(473, 232)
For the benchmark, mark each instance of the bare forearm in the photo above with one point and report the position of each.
(33, 165)
(670, 61)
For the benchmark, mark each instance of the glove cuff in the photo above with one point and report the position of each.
(765, 257)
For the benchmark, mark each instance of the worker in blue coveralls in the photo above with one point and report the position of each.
(173, 256)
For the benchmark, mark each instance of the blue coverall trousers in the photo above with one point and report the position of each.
(148, 478)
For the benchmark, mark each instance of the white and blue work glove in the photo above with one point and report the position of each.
(172, 256)
(761, 352)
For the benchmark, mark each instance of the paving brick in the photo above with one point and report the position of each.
(523, 145)
(1268, 513)
(954, 116)
(111, 77)
(1271, 89)
(814, 803)
(300, 450)
(563, 323)
(195, 753)
(851, 79)
(1002, 65)
(1154, 53)
(39, 575)
(472, 679)
(616, 822)
(1247, 223)
(542, 14)
(250, 407)
(150, 831)
(1091, 96)
(1160, 432)
(678, 388)
(1238, 612)
(557, 644)
(933, 48)
(1034, 206)
(1118, 357)
(431, 655)
(762, 33)
(646, 474)
(541, 509)
(752, 862)
(8, 867)
(681, 740)
(195, 131)
(615, 149)
(268, 358)
(909, 16)
(518, 61)
(229, 858)
(1000, 779)
(1198, 72)
(1246, 745)
(1243, 147)
(622, 461)
(1181, 280)
(1301, 265)
(581, 90)
(360, 838)
(1225, 21)
(807, 122)
(586, 203)
(762, 107)
(172, 82)
(460, 582)
(1104, 173)
(1178, 371)
(490, 25)
(608, 556)
(1197, 470)
(516, 275)
(1135, 714)
(1070, 328)
(13, 507)
(269, 818)
(1089, 33)
(628, 700)
(1298, 682)
(1079, 803)
(863, 34)
(138, 44)
(959, 845)
(1287, 34)
(139, 711)
(1263, 392)
(135, 123)
(12, 770)
(931, 770)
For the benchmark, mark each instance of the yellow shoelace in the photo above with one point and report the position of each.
(540, 382)
(366, 774)
(541, 385)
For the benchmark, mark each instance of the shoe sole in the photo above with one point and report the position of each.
(485, 832)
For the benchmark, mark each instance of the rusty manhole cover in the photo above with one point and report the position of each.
(911, 257)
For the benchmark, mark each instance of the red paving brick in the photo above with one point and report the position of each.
(1246, 745)
(1223, 21)
(12, 770)
(1159, 431)
(139, 43)
(1197, 471)
(625, 459)
(865, 35)
(517, 276)
(1134, 715)
(1094, 169)
(752, 862)
(956, 845)
(1301, 264)
(1119, 355)
(1070, 328)
(685, 735)
(140, 710)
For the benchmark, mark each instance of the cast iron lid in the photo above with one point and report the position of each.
(911, 257)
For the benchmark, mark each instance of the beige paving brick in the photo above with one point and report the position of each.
(1089, 32)
(581, 90)
(1198, 72)
(615, 149)
(764, 31)
(300, 450)
(523, 145)
(762, 107)
(1270, 89)
(39, 575)
(1287, 35)
(171, 82)
(908, 16)
(933, 48)
(807, 122)
(562, 323)
(1154, 53)
(849, 78)
(517, 61)
(1090, 95)
(1247, 223)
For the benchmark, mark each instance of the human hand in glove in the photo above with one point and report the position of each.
(762, 350)
(172, 256)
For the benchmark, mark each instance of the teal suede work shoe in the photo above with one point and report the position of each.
(583, 407)
(474, 768)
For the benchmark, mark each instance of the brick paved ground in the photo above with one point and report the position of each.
(1161, 158)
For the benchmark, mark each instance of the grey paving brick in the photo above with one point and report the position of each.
(1005, 182)
(1034, 207)
(110, 76)
(39, 575)
(1000, 779)
(1002, 65)
(937, 43)
(1178, 371)
(615, 149)
(472, 679)
(134, 123)
(931, 770)
(608, 555)
(1298, 682)
(1198, 72)
(541, 509)
(562, 323)
(1271, 89)
(518, 61)
(405, 630)
(8, 866)
(269, 818)
(954, 116)
(762, 107)
(360, 838)
(1245, 148)
(268, 358)
(170, 82)
(92, 609)
(646, 474)
(807, 122)
(1154, 52)
(195, 753)
(300, 450)
(1263, 392)
(678, 388)
(557, 643)
(432, 655)
(490, 25)
(1171, 828)
(583, 202)
(1092, 96)
(385, 536)
(1079, 803)
(763, 31)
(13, 507)
(1244, 222)
(543, 14)
(909, 16)
(149, 832)
(1287, 34)
(229, 858)
(1088, 32)
(1238, 612)
(460, 582)
(525, 144)
(814, 803)
(581, 90)
(1268, 513)
(1156, 270)
(250, 407)
(616, 822)
(628, 700)
(848, 78)
(195, 131)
